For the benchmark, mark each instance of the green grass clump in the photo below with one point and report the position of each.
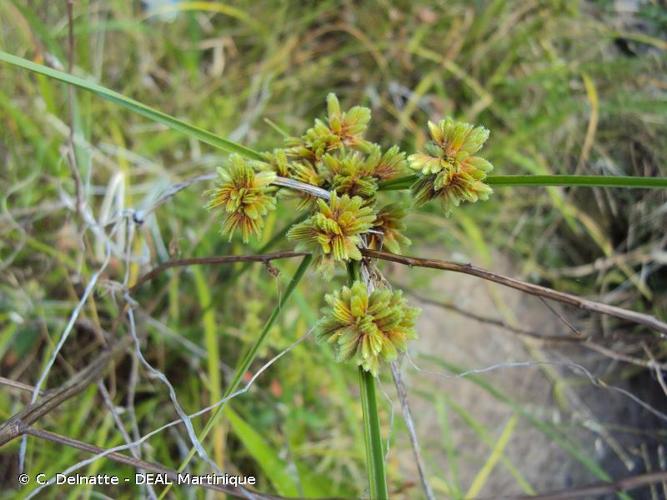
(567, 88)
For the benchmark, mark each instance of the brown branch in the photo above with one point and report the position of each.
(16, 385)
(221, 259)
(495, 322)
(537, 290)
(16, 425)
(582, 341)
(138, 463)
(626, 484)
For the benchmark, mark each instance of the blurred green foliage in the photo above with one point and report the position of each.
(564, 86)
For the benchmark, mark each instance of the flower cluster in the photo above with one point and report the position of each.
(334, 155)
(449, 170)
(367, 328)
(387, 229)
(246, 197)
(335, 231)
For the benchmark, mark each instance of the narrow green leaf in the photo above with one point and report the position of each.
(483, 475)
(134, 106)
(248, 358)
(266, 457)
(620, 181)
(212, 348)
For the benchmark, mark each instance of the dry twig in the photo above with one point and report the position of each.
(222, 259)
(537, 290)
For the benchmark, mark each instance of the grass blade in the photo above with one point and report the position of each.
(248, 358)
(213, 349)
(275, 468)
(132, 105)
(483, 475)
(620, 181)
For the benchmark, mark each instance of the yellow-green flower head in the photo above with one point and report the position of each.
(342, 128)
(351, 173)
(367, 328)
(335, 230)
(277, 161)
(389, 165)
(245, 196)
(387, 230)
(450, 170)
(452, 143)
(350, 126)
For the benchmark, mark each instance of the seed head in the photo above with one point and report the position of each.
(245, 196)
(367, 328)
(334, 231)
(450, 170)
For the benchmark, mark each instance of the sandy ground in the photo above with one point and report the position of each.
(473, 345)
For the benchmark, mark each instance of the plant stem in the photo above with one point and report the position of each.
(248, 358)
(374, 454)
(619, 181)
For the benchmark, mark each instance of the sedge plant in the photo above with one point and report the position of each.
(339, 178)
(365, 322)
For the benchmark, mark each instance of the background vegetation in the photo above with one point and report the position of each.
(564, 86)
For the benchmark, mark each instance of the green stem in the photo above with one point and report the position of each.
(374, 454)
(248, 358)
(620, 181)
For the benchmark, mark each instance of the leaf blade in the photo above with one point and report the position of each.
(133, 105)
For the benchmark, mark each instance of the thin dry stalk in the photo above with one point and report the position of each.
(537, 290)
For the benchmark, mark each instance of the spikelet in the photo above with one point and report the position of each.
(387, 230)
(245, 196)
(450, 171)
(367, 329)
(341, 129)
(334, 231)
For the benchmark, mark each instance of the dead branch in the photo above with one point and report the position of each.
(222, 259)
(138, 463)
(553, 339)
(16, 385)
(16, 425)
(626, 484)
(495, 322)
(537, 290)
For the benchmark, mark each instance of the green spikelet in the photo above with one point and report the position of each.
(245, 196)
(450, 171)
(334, 231)
(368, 329)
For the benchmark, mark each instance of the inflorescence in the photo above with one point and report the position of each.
(335, 156)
